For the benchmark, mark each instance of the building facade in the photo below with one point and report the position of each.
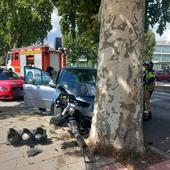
(161, 56)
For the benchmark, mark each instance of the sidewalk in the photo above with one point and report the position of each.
(59, 153)
(165, 165)
(52, 157)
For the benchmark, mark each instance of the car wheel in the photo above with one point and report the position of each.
(55, 110)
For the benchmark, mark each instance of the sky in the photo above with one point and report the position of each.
(55, 32)
(166, 34)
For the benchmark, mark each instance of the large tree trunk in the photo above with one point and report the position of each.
(117, 120)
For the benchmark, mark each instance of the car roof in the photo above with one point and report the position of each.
(2, 71)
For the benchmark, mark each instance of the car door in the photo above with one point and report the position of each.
(46, 91)
(39, 89)
(32, 78)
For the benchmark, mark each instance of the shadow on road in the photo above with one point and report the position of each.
(77, 153)
(33, 143)
(16, 108)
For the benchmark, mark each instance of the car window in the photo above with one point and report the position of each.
(77, 76)
(32, 75)
(29, 77)
(78, 80)
(5, 75)
(46, 78)
(33, 78)
(36, 76)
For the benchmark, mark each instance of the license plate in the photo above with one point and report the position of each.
(18, 89)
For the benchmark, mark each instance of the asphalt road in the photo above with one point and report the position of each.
(157, 130)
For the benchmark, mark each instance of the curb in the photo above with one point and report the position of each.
(105, 163)
(156, 150)
(162, 88)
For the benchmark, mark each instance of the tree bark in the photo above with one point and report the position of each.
(117, 119)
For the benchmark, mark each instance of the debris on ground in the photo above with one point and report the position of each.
(34, 151)
(13, 136)
(26, 136)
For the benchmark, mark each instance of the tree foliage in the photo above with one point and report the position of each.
(149, 44)
(80, 23)
(23, 22)
(82, 16)
(76, 47)
(157, 11)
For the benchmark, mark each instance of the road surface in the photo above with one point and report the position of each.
(157, 130)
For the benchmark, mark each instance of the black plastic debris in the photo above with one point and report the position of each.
(13, 136)
(58, 120)
(33, 152)
(26, 136)
(40, 134)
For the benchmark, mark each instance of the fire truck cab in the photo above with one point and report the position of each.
(36, 56)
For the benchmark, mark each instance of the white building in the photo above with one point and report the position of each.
(161, 56)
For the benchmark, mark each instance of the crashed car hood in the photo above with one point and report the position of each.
(81, 91)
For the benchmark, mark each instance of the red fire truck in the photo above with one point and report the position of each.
(37, 56)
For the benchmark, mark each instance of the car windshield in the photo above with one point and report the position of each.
(73, 79)
(5, 75)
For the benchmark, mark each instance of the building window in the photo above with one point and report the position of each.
(158, 48)
(166, 49)
(166, 58)
(157, 57)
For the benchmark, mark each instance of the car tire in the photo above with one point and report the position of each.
(55, 110)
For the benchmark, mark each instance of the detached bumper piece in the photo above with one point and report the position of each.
(26, 136)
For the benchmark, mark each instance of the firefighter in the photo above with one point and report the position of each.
(50, 70)
(10, 70)
(149, 85)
